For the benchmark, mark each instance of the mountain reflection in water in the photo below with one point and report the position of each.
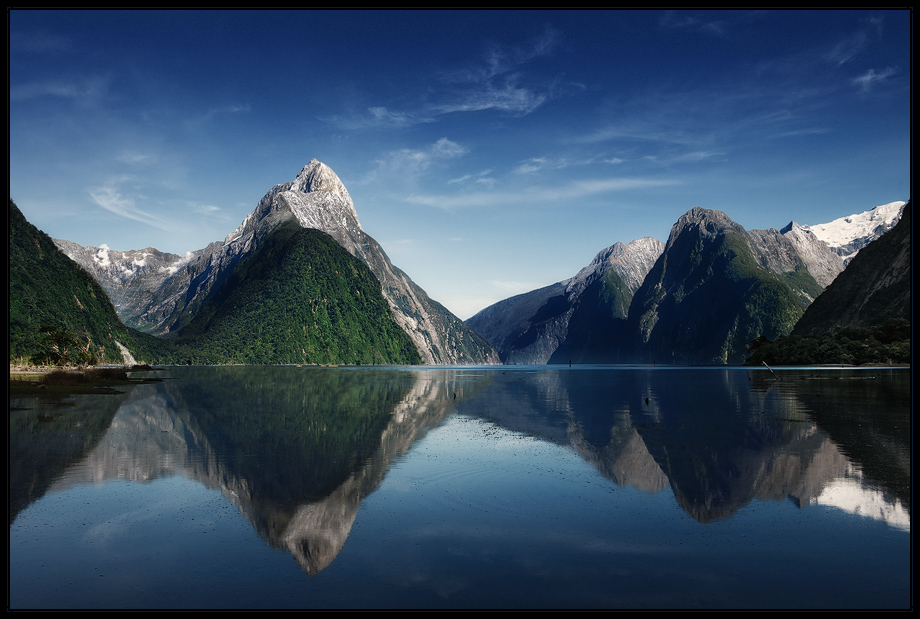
(297, 450)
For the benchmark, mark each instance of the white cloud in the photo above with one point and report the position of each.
(535, 164)
(409, 160)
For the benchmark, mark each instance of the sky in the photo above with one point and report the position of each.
(489, 152)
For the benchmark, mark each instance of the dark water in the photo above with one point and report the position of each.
(506, 487)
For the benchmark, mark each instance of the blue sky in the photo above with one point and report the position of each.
(489, 152)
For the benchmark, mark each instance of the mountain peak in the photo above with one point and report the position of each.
(792, 225)
(317, 176)
(707, 223)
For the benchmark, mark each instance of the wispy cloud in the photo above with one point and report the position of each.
(84, 91)
(409, 162)
(870, 79)
(480, 178)
(38, 43)
(204, 209)
(847, 49)
(111, 199)
(383, 116)
(506, 95)
(798, 132)
(701, 22)
(502, 59)
(233, 108)
(556, 193)
(379, 117)
(496, 82)
(136, 158)
(699, 155)
(538, 164)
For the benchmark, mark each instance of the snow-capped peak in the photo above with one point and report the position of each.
(847, 235)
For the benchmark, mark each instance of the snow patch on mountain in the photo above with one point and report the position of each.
(847, 235)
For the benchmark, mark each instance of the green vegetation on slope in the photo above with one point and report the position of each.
(58, 313)
(882, 344)
(300, 299)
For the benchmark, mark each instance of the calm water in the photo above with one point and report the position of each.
(505, 487)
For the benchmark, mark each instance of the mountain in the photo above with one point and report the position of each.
(847, 235)
(164, 297)
(863, 317)
(131, 278)
(58, 313)
(716, 287)
(298, 298)
(577, 317)
(692, 300)
(875, 286)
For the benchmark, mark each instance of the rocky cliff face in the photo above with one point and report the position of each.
(165, 296)
(130, 278)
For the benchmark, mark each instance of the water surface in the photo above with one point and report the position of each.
(498, 487)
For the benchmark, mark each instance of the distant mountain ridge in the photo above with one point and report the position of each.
(700, 298)
(165, 296)
(530, 328)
